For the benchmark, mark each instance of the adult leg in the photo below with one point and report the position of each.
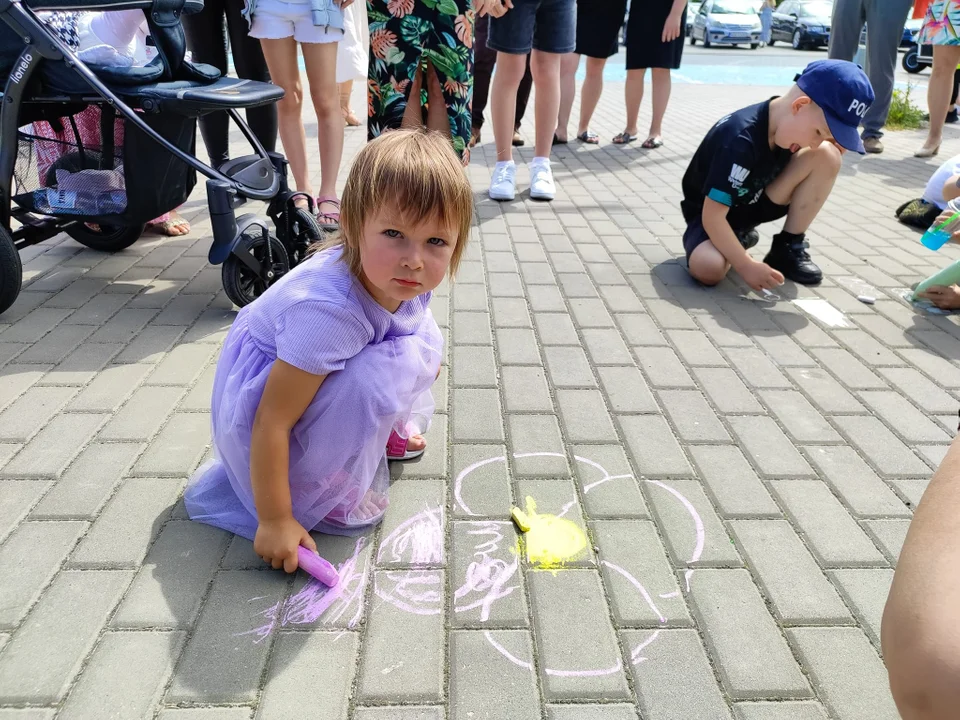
(920, 631)
(633, 96)
(523, 94)
(484, 60)
(660, 77)
(250, 64)
(506, 81)
(346, 92)
(321, 63)
(206, 40)
(568, 91)
(590, 92)
(546, 75)
(281, 56)
(845, 29)
(945, 58)
(885, 20)
(438, 118)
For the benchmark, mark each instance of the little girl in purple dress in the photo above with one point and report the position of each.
(330, 363)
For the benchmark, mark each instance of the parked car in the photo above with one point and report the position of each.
(910, 32)
(802, 23)
(917, 59)
(727, 22)
(692, 9)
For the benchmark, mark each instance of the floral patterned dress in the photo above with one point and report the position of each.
(941, 24)
(406, 35)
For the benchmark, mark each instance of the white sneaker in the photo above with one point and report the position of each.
(503, 186)
(542, 186)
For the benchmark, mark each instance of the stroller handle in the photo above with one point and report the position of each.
(190, 7)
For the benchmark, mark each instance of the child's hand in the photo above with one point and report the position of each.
(759, 276)
(945, 298)
(277, 542)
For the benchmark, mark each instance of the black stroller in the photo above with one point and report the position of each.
(97, 152)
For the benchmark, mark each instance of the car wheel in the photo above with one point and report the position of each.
(754, 46)
(706, 39)
(771, 42)
(911, 61)
(797, 40)
(693, 40)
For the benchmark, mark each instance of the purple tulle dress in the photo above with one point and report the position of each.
(379, 368)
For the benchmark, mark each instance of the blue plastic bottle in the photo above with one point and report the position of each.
(939, 234)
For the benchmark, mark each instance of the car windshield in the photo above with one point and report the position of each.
(816, 9)
(733, 7)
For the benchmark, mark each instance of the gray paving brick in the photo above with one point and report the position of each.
(35, 325)
(151, 345)
(222, 662)
(474, 367)
(850, 371)
(56, 344)
(69, 617)
(127, 674)
(506, 285)
(432, 463)
(825, 392)
(783, 350)
(606, 347)
(17, 498)
(867, 348)
(937, 368)
(626, 390)
(726, 391)
(780, 711)
(679, 523)
(866, 592)
(471, 328)
(143, 414)
(856, 484)
(889, 534)
(575, 636)
(752, 657)
(672, 675)
(732, 483)
(769, 448)
(669, 314)
(178, 447)
(511, 312)
(183, 364)
(52, 449)
(880, 446)
(29, 559)
(663, 368)
(121, 535)
(323, 662)
(166, 592)
(652, 446)
(798, 417)
(123, 327)
(525, 389)
(26, 714)
(470, 296)
(589, 313)
(556, 329)
(410, 498)
(757, 370)
(481, 483)
(537, 434)
(695, 348)
(848, 673)
(922, 391)
(788, 574)
(611, 497)
(487, 578)
(198, 398)
(898, 413)
(640, 329)
(631, 558)
(98, 310)
(403, 651)
(833, 536)
(607, 711)
(397, 712)
(25, 417)
(723, 331)
(694, 419)
(585, 416)
(518, 346)
(110, 388)
(568, 367)
(483, 684)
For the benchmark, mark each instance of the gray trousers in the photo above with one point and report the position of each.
(885, 20)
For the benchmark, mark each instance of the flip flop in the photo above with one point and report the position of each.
(558, 141)
(652, 143)
(589, 137)
(624, 138)
(328, 218)
(167, 226)
(397, 449)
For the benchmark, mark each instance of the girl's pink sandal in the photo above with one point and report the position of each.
(328, 218)
(397, 448)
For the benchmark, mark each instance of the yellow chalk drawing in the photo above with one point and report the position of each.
(550, 541)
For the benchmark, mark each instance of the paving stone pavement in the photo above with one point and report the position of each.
(745, 473)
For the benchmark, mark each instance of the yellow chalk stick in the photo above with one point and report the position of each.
(520, 519)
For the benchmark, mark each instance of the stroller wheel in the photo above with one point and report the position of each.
(241, 283)
(105, 237)
(11, 271)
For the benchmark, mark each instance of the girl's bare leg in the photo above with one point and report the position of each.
(321, 62)
(281, 57)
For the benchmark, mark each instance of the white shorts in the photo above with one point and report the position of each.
(277, 19)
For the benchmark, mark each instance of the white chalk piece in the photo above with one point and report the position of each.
(868, 299)
(823, 311)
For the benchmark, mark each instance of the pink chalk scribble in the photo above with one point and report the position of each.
(419, 592)
(315, 599)
(635, 657)
(416, 541)
(486, 575)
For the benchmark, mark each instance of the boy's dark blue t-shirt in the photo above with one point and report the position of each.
(734, 163)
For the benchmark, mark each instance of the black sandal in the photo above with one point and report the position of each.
(589, 137)
(652, 143)
(624, 138)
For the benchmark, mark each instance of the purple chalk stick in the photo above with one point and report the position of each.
(317, 567)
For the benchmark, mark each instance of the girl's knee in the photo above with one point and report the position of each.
(292, 99)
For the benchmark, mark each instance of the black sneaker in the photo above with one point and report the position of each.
(793, 260)
(748, 238)
(952, 116)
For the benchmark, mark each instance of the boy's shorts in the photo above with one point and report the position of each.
(545, 25)
(741, 217)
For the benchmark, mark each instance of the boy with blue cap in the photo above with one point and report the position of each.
(775, 159)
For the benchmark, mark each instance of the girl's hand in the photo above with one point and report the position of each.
(277, 541)
(945, 298)
(671, 28)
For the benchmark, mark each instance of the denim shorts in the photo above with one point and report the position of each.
(545, 25)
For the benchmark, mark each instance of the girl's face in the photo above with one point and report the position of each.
(400, 260)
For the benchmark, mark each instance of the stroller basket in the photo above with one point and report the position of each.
(95, 165)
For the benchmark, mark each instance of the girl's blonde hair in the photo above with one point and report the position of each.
(415, 171)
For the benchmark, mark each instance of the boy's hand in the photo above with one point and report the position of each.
(759, 275)
(945, 298)
(493, 8)
(277, 541)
